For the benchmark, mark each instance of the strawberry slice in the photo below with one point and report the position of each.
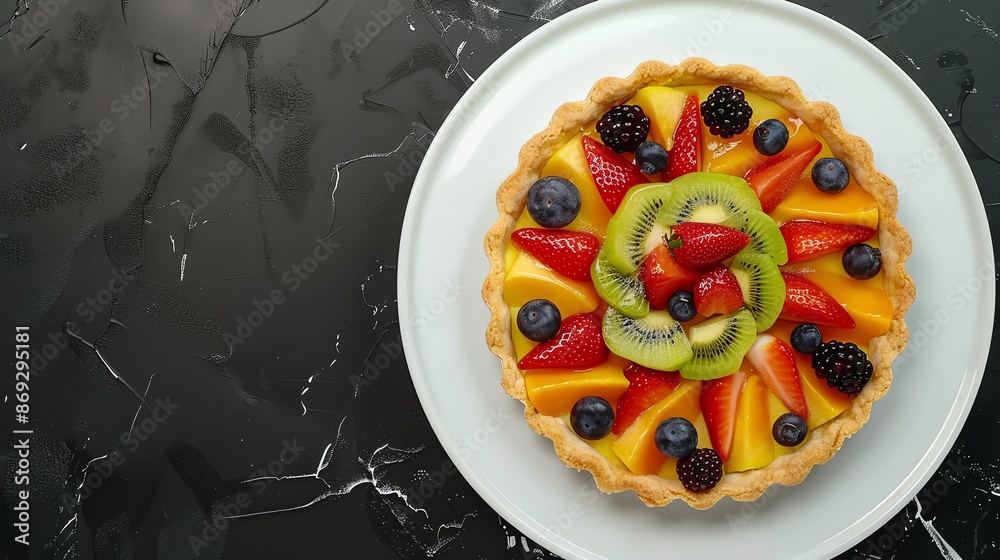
(646, 387)
(613, 174)
(700, 245)
(578, 344)
(569, 253)
(719, 398)
(810, 239)
(685, 156)
(718, 291)
(775, 362)
(806, 302)
(663, 277)
(778, 174)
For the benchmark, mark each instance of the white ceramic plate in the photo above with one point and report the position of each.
(452, 206)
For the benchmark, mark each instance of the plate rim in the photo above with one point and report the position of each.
(945, 438)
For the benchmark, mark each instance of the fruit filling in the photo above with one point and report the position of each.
(694, 283)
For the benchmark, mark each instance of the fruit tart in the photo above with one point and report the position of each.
(697, 284)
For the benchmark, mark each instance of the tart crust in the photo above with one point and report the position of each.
(894, 242)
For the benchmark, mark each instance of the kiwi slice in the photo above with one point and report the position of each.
(624, 292)
(656, 341)
(765, 237)
(719, 344)
(708, 197)
(636, 229)
(763, 287)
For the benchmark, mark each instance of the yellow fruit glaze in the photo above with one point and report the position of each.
(663, 106)
(753, 446)
(555, 391)
(637, 448)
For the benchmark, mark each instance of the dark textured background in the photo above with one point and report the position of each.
(201, 205)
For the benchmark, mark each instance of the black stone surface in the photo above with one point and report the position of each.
(200, 211)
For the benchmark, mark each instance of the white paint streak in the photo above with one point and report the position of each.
(370, 478)
(71, 519)
(335, 178)
(138, 410)
(324, 462)
(947, 552)
(978, 20)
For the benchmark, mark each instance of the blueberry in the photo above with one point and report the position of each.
(681, 306)
(862, 261)
(806, 338)
(789, 430)
(770, 137)
(592, 417)
(676, 437)
(830, 175)
(651, 157)
(553, 202)
(539, 320)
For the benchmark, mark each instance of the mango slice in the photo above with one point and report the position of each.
(868, 304)
(555, 391)
(569, 162)
(753, 446)
(528, 279)
(663, 106)
(637, 446)
(853, 205)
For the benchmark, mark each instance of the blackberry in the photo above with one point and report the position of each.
(844, 366)
(623, 128)
(726, 112)
(701, 470)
